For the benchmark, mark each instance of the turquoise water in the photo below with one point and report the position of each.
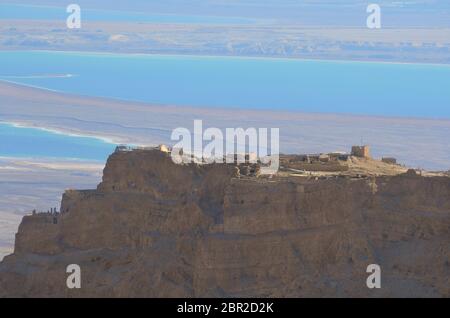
(36, 143)
(416, 90)
(30, 12)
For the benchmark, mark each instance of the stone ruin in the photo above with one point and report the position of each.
(361, 151)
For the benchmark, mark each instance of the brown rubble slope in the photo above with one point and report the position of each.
(156, 229)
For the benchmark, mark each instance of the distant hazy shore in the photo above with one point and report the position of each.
(405, 44)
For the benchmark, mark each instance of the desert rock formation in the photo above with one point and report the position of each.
(156, 229)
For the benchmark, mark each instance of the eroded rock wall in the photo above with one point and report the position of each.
(156, 229)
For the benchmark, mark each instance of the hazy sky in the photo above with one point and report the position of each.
(309, 12)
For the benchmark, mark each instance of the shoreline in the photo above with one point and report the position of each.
(68, 132)
(269, 58)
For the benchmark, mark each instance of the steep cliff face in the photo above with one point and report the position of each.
(156, 229)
